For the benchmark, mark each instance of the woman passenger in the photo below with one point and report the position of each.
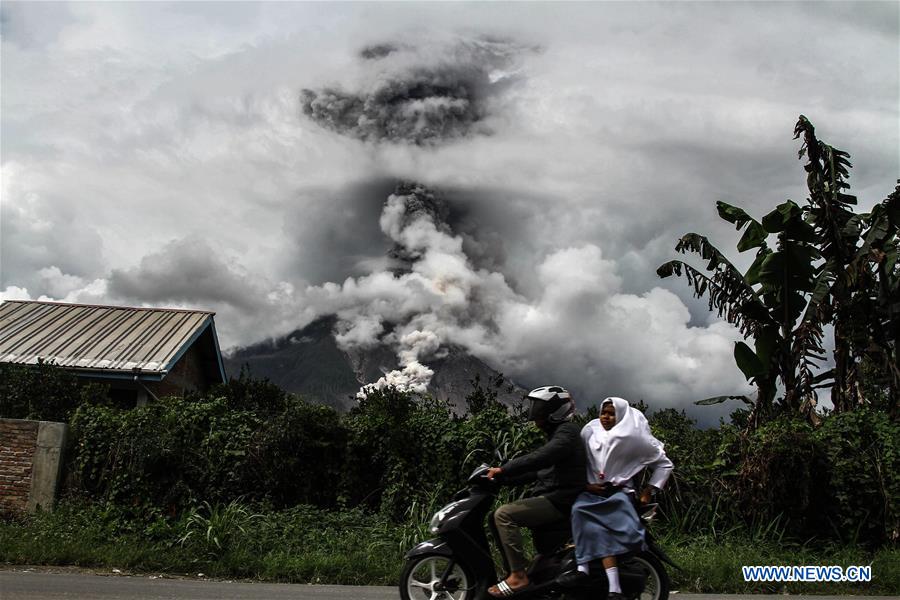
(619, 445)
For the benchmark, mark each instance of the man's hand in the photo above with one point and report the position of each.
(493, 472)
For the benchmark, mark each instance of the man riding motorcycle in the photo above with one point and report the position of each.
(558, 470)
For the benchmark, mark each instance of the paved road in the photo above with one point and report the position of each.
(18, 585)
(34, 585)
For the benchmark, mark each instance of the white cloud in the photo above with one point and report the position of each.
(15, 293)
(134, 132)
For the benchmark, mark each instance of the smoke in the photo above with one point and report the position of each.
(414, 376)
(580, 327)
(419, 104)
(377, 51)
(432, 295)
(409, 103)
(414, 218)
(432, 288)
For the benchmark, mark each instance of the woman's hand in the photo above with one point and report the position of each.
(595, 488)
(493, 472)
(647, 495)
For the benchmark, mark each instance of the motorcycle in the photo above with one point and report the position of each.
(457, 563)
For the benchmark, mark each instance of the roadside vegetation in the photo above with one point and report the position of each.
(249, 481)
(305, 544)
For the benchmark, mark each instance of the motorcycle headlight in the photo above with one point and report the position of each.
(435, 523)
(438, 518)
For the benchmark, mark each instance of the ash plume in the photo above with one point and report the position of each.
(414, 376)
(421, 104)
(416, 104)
(377, 51)
(432, 268)
(407, 214)
(433, 296)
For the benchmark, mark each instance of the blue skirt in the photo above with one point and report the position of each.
(605, 526)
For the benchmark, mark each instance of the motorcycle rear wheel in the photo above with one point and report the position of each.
(422, 575)
(657, 585)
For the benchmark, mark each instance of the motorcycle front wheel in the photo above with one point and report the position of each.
(421, 579)
(657, 586)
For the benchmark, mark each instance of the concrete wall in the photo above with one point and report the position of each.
(30, 464)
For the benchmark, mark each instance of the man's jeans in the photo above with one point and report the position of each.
(529, 512)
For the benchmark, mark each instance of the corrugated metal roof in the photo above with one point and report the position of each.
(97, 338)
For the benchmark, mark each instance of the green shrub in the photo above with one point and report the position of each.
(246, 393)
(164, 454)
(44, 392)
(214, 530)
(401, 455)
(399, 447)
(782, 467)
(863, 486)
(295, 456)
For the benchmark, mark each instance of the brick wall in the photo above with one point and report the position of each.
(31, 454)
(18, 440)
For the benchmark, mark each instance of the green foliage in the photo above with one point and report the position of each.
(698, 496)
(305, 544)
(179, 450)
(164, 454)
(93, 534)
(216, 529)
(713, 566)
(301, 544)
(494, 435)
(400, 457)
(259, 396)
(399, 448)
(827, 265)
(873, 326)
(44, 392)
(781, 469)
(862, 493)
(295, 456)
(786, 480)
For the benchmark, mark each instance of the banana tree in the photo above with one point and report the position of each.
(829, 266)
(862, 297)
(874, 276)
(838, 230)
(765, 302)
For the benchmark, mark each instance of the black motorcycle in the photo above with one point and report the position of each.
(457, 563)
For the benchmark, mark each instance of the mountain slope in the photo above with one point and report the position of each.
(308, 362)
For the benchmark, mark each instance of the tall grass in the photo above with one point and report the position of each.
(214, 529)
(310, 545)
(302, 544)
(714, 522)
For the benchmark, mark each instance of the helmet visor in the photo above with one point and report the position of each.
(538, 410)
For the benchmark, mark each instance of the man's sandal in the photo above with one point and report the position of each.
(505, 590)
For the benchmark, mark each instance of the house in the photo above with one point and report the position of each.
(140, 353)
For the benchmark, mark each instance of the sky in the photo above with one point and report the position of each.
(501, 177)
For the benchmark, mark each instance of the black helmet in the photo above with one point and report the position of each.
(551, 403)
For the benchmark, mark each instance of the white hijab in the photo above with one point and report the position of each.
(617, 455)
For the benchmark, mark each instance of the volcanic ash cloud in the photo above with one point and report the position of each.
(579, 328)
(425, 301)
(420, 104)
(410, 102)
